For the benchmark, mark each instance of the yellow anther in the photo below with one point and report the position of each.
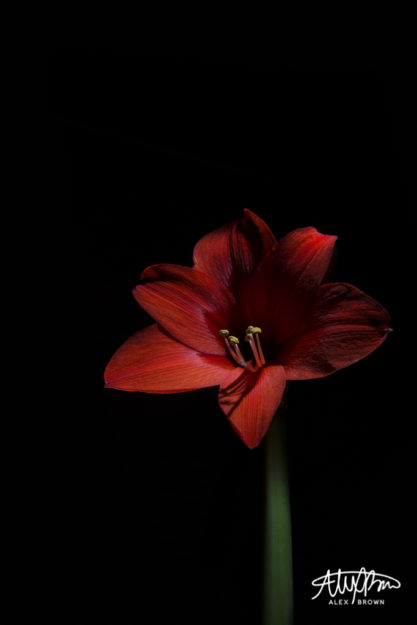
(234, 339)
(224, 332)
(253, 330)
(249, 336)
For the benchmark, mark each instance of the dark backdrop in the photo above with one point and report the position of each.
(163, 510)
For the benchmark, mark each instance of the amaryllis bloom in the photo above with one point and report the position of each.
(251, 313)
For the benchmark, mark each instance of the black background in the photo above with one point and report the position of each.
(163, 511)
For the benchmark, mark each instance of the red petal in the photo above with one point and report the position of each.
(151, 362)
(235, 250)
(345, 326)
(279, 292)
(191, 306)
(250, 401)
(304, 254)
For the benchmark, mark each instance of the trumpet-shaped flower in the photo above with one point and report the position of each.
(251, 313)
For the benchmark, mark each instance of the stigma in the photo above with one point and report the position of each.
(252, 337)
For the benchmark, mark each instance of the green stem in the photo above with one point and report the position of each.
(278, 599)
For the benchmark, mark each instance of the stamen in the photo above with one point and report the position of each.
(258, 345)
(249, 338)
(235, 342)
(231, 352)
(232, 346)
(255, 344)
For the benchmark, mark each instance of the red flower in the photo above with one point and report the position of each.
(250, 314)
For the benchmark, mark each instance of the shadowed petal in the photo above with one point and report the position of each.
(152, 362)
(232, 252)
(304, 255)
(191, 306)
(345, 326)
(250, 401)
(280, 291)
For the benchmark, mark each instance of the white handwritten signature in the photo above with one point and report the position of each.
(355, 582)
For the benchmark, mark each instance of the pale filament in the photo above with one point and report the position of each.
(258, 345)
(233, 347)
(249, 338)
(235, 353)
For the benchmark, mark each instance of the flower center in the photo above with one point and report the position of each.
(251, 337)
